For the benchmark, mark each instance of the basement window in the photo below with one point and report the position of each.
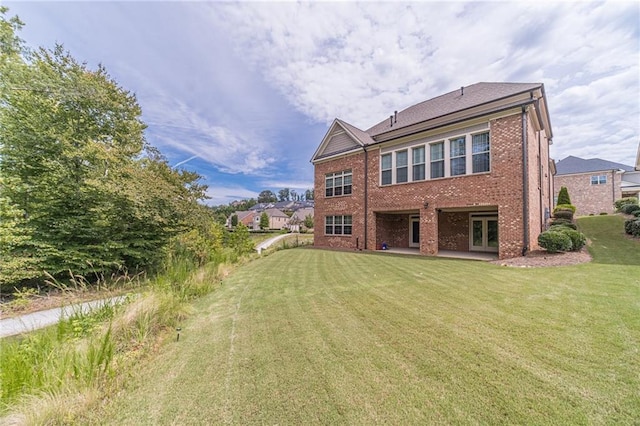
(338, 225)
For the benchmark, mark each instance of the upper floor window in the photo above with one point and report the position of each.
(385, 166)
(338, 183)
(418, 163)
(480, 152)
(599, 180)
(457, 155)
(437, 160)
(402, 167)
(338, 225)
(463, 154)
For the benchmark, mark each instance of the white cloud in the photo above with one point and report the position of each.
(362, 61)
(220, 195)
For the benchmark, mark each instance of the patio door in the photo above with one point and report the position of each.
(414, 231)
(483, 234)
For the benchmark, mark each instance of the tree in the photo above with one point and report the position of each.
(264, 220)
(241, 240)
(308, 195)
(308, 221)
(84, 193)
(563, 196)
(234, 220)
(267, 196)
(284, 195)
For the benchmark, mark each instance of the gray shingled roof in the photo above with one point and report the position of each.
(572, 165)
(474, 95)
(364, 137)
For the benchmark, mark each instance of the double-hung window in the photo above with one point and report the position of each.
(385, 167)
(437, 160)
(599, 180)
(418, 163)
(402, 167)
(480, 151)
(457, 151)
(338, 183)
(338, 225)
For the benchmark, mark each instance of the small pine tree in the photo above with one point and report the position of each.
(308, 221)
(234, 220)
(563, 196)
(264, 220)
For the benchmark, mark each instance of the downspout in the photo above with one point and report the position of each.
(366, 193)
(540, 183)
(525, 183)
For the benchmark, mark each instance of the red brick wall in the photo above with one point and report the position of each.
(500, 190)
(591, 199)
(454, 231)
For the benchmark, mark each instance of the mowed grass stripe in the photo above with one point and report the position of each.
(327, 337)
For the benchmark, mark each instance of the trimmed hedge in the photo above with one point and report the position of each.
(629, 208)
(563, 214)
(618, 204)
(565, 222)
(578, 240)
(564, 207)
(555, 241)
(632, 227)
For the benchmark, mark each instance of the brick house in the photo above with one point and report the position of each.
(594, 184)
(465, 171)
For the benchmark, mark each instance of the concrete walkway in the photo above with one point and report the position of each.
(268, 243)
(41, 319)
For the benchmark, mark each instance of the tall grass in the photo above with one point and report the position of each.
(62, 368)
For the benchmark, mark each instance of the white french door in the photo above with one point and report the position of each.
(483, 232)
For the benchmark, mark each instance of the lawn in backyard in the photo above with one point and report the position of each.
(308, 336)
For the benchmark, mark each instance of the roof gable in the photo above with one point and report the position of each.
(573, 165)
(341, 138)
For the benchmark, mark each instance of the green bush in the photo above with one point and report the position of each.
(564, 207)
(563, 214)
(618, 204)
(603, 213)
(632, 227)
(565, 222)
(578, 240)
(636, 213)
(563, 196)
(554, 241)
(629, 208)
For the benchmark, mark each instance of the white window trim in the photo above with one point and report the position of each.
(468, 156)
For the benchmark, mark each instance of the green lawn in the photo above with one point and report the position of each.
(308, 336)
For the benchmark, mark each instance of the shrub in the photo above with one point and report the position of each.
(565, 222)
(563, 196)
(603, 213)
(554, 241)
(629, 208)
(564, 207)
(563, 214)
(632, 227)
(578, 240)
(624, 201)
(636, 213)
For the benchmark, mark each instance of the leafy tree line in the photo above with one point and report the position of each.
(81, 191)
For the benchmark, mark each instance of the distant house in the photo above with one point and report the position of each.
(296, 222)
(465, 171)
(277, 219)
(595, 184)
(249, 218)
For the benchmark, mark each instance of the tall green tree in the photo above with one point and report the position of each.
(284, 194)
(563, 196)
(264, 220)
(84, 192)
(267, 196)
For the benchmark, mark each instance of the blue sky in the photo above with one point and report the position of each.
(243, 92)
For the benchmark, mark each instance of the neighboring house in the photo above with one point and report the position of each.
(465, 171)
(593, 184)
(296, 222)
(249, 218)
(277, 219)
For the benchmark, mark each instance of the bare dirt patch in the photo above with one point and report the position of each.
(541, 259)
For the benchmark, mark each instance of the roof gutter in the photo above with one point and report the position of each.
(525, 183)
